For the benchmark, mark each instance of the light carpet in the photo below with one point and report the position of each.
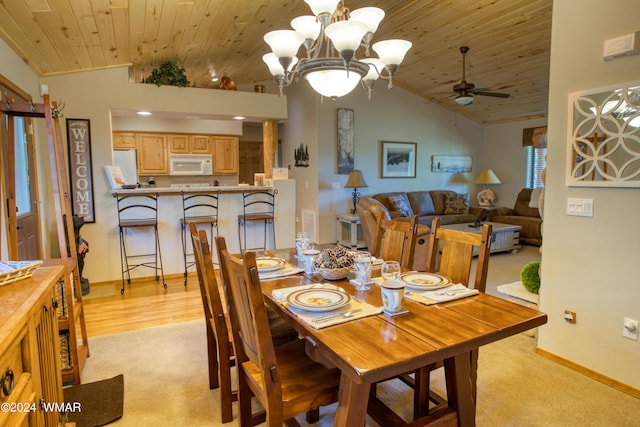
(167, 384)
(517, 290)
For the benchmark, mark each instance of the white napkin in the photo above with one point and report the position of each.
(287, 270)
(363, 308)
(450, 293)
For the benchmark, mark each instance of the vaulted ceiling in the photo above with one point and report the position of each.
(509, 43)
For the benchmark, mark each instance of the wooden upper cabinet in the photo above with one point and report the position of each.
(189, 144)
(225, 155)
(153, 154)
(200, 144)
(178, 143)
(124, 140)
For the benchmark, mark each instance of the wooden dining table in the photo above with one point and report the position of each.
(379, 347)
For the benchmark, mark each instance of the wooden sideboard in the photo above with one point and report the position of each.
(30, 350)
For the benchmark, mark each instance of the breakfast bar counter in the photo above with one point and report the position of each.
(229, 207)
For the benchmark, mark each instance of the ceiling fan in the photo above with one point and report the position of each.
(466, 90)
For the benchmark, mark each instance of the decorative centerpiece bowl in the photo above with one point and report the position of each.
(334, 263)
(334, 273)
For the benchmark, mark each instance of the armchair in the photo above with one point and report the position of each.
(526, 214)
(369, 209)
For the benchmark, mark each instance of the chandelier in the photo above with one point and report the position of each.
(339, 32)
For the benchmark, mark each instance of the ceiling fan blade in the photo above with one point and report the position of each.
(494, 94)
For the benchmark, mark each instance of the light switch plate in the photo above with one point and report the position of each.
(579, 207)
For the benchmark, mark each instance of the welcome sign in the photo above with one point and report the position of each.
(80, 170)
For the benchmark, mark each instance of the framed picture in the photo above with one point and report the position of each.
(80, 169)
(535, 136)
(346, 143)
(398, 159)
(452, 164)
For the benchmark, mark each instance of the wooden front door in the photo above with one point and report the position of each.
(251, 160)
(20, 186)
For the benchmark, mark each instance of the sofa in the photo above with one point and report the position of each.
(449, 206)
(525, 213)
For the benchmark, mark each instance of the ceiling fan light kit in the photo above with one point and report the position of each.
(343, 32)
(466, 90)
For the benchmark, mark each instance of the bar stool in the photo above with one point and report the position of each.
(257, 206)
(139, 212)
(199, 209)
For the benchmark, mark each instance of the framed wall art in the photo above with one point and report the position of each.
(537, 137)
(398, 159)
(80, 169)
(451, 164)
(346, 142)
(603, 135)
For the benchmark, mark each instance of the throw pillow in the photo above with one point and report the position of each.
(400, 206)
(456, 204)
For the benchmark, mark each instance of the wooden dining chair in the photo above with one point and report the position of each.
(396, 240)
(219, 345)
(456, 250)
(283, 378)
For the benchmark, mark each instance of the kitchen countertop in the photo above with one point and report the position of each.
(169, 191)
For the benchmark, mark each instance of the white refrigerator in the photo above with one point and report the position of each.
(128, 163)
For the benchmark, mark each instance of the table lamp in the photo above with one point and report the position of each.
(355, 181)
(486, 197)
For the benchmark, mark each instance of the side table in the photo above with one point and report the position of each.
(350, 231)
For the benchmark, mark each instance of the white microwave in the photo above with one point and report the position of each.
(190, 164)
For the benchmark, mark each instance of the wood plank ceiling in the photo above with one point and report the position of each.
(509, 43)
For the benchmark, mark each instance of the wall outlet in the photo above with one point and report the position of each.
(570, 316)
(630, 329)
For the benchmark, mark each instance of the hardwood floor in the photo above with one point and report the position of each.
(145, 303)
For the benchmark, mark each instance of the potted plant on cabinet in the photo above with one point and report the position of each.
(168, 73)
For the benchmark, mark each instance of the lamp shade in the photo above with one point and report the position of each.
(370, 16)
(464, 99)
(355, 180)
(488, 177)
(308, 26)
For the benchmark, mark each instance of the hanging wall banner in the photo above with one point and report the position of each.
(80, 170)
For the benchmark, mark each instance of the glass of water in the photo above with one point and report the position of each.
(302, 244)
(362, 268)
(390, 271)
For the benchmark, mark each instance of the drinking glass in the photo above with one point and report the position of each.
(390, 271)
(362, 268)
(302, 243)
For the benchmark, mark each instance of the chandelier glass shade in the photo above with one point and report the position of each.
(339, 33)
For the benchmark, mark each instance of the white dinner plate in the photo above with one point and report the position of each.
(266, 264)
(425, 281)
(318, 299)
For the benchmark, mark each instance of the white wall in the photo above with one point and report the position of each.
(589, 265)
(505, 155)
(391, 115)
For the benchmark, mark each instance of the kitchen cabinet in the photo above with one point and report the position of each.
(29, 350)
(153, 154)
(200, 144)
(178, 143)
(225, 155)
(153, 150)
(124, 140)
(189, 144)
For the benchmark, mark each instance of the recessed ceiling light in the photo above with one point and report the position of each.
(239, 117)
(144, 113)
